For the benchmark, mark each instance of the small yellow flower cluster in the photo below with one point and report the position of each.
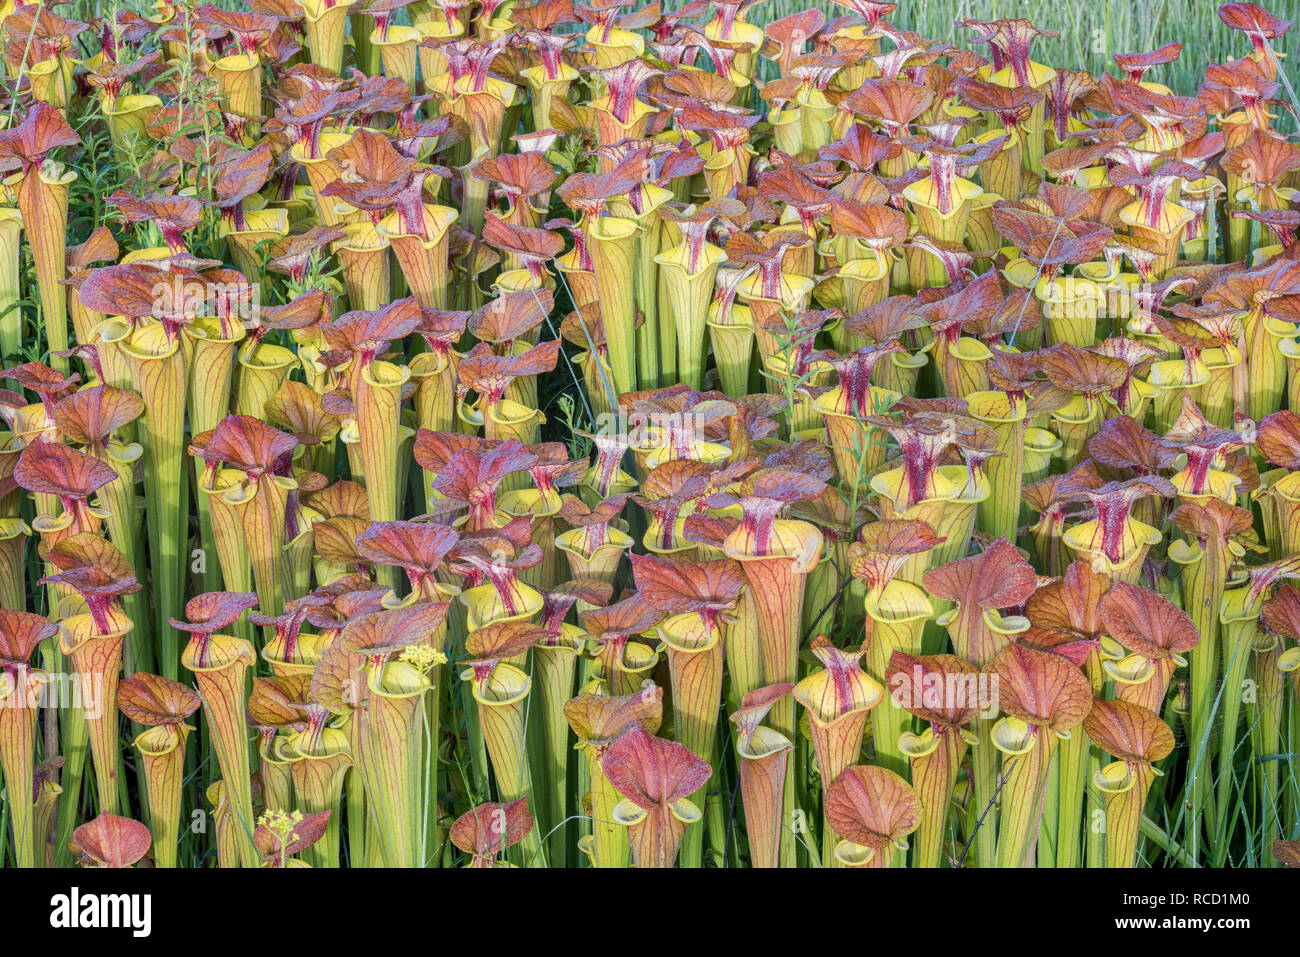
(282, 823)
(423, 658)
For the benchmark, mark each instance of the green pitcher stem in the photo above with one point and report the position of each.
(18, 725)
(1071, 770)
(1022, 800)
(162, 378)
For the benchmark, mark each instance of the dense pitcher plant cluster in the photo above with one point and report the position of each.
(503, 433)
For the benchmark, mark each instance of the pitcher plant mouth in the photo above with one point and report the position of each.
(654, 775)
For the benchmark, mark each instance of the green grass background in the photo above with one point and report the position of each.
(1091, 32)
